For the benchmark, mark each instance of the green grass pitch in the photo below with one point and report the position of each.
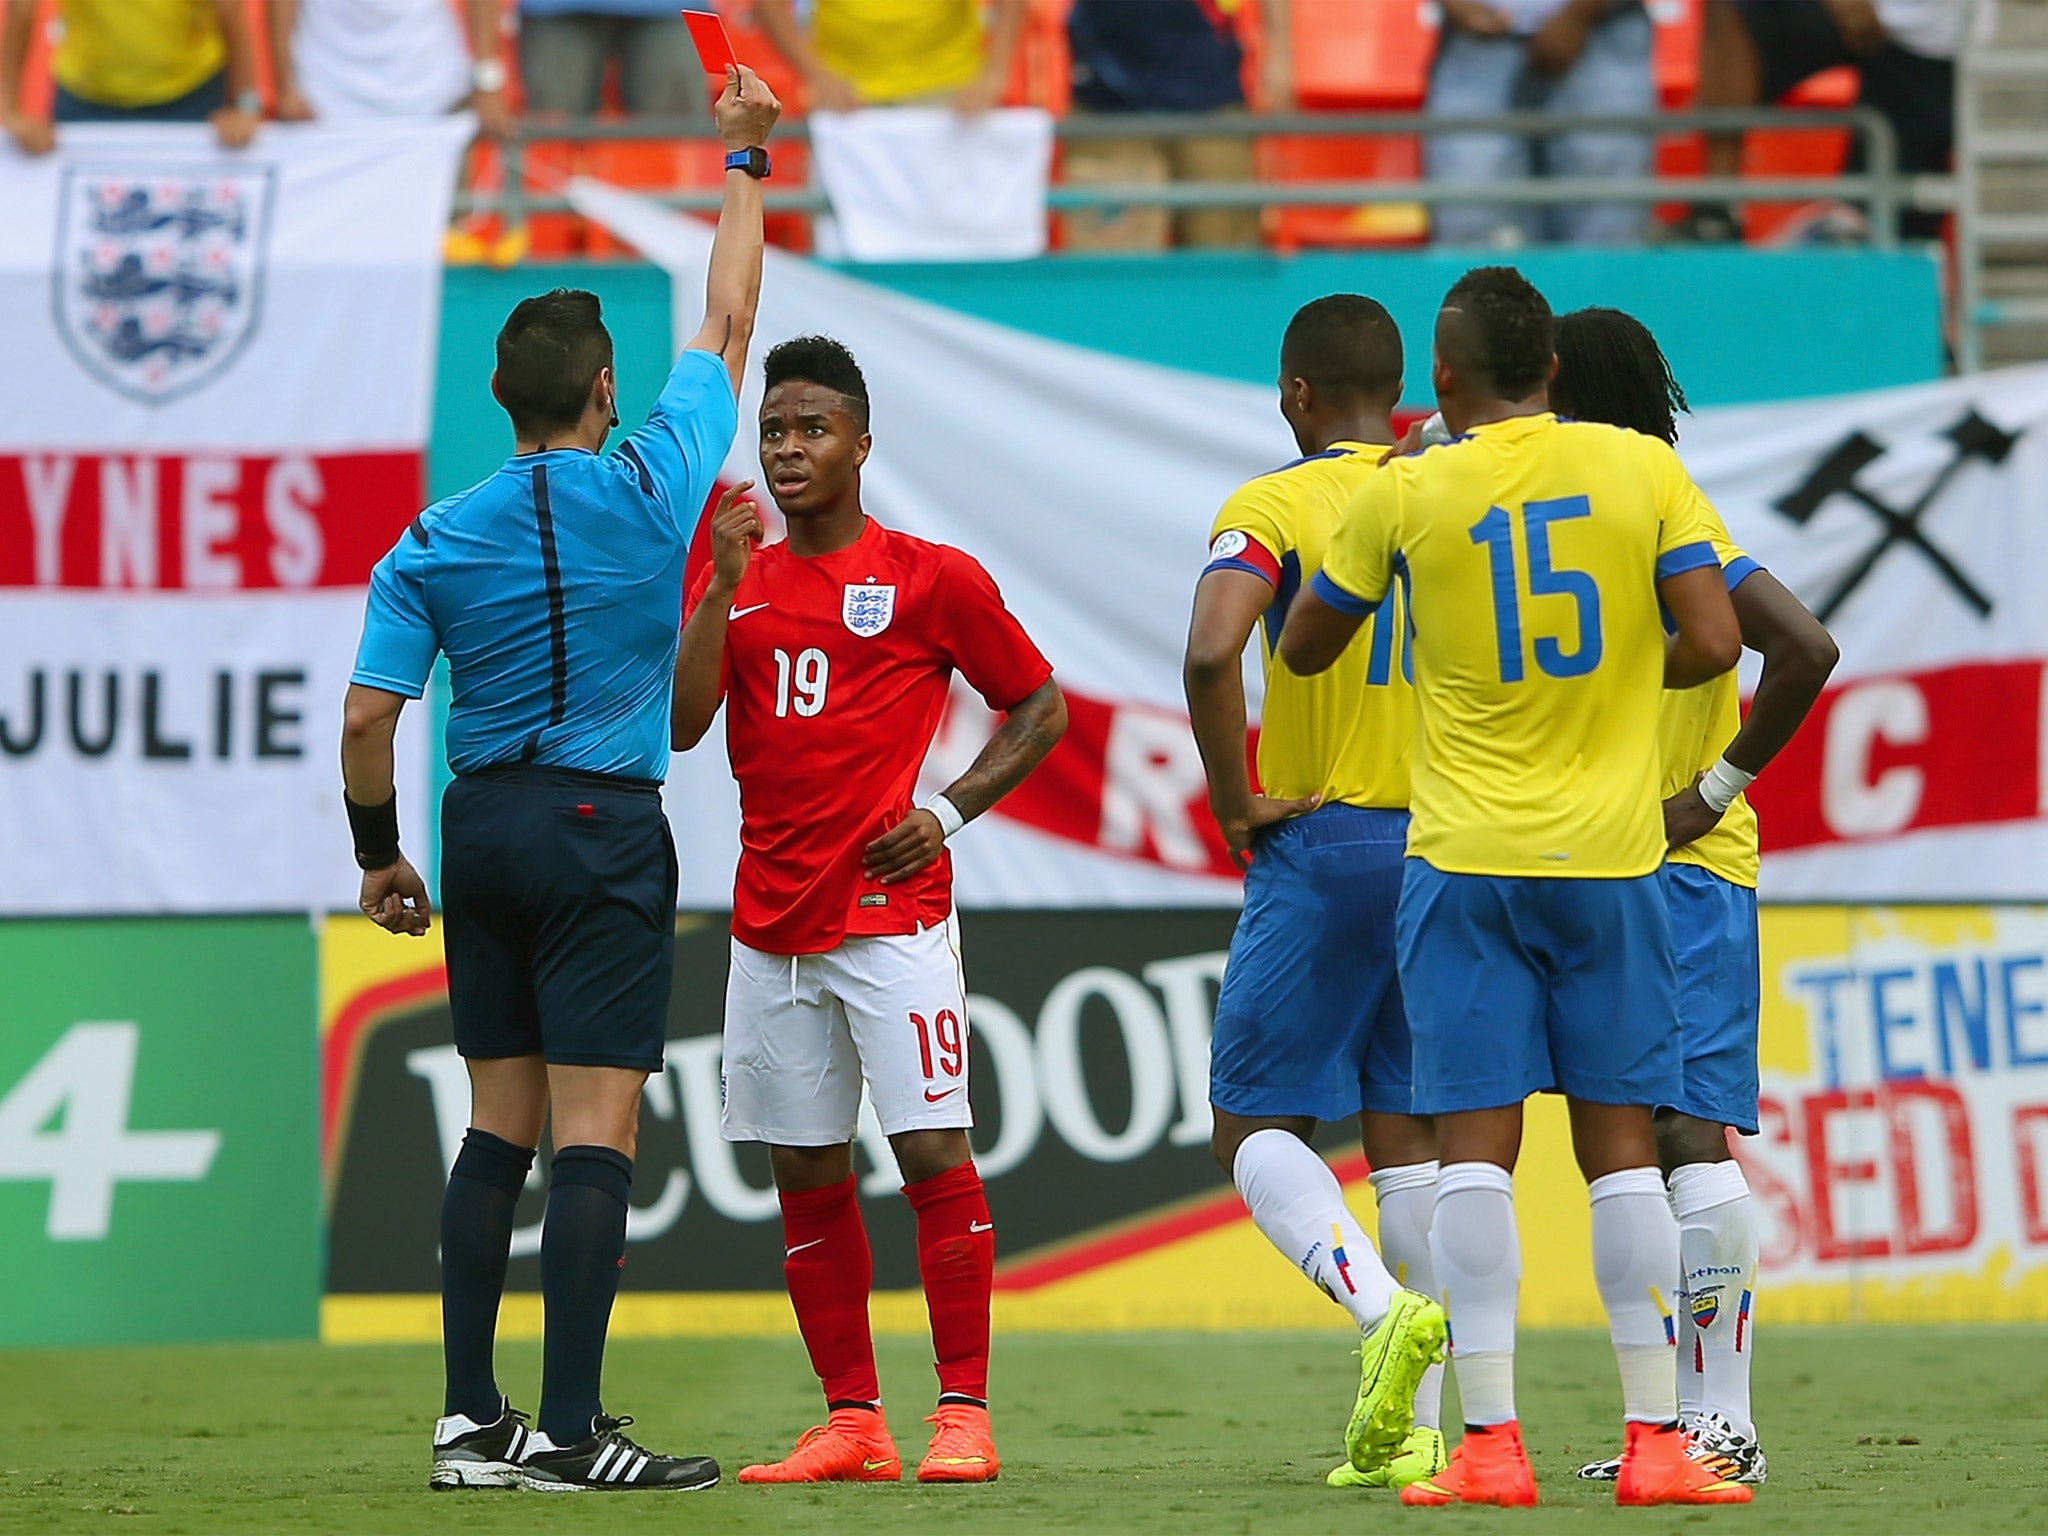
(1868, 1430)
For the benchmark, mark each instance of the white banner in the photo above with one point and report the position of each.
(1904, 1115)
(212, 423)
(1915, 520)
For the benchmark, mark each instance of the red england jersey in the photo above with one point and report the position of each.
(835, 675)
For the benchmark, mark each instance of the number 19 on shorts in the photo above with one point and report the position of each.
(941, 1048)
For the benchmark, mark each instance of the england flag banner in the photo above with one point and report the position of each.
(213, 422)
(1914, 521)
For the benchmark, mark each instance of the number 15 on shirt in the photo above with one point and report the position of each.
(1496, 532)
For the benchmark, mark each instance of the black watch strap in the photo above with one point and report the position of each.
(753, 160)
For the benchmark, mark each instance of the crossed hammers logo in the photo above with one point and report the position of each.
(1835, 475)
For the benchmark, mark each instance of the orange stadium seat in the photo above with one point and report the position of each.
(1352, 57)
(1797, 151)
(1042, 73)
(1675, 49)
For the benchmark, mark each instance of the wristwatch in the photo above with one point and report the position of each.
(754, 161)
(487, 75)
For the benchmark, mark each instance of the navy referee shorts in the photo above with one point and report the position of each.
(558, 899)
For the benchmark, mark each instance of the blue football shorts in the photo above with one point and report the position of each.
(558, 901)
(1714, 938)
(1309, 1020)
(1516, 984)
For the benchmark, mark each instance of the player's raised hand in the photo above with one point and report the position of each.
(905, 848)
(395, 899)
(1237, 832)
(1688, 817)
(735, 530)
(745, 110)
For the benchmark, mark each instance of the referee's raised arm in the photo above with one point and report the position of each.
(745, 112)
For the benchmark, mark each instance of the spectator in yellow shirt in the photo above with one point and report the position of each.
(873, 53)
(136, 61)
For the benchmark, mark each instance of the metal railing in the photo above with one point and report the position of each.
(1879, 186)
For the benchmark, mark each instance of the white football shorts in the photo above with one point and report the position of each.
(802, 1031)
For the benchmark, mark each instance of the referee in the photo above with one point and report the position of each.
(554, 588)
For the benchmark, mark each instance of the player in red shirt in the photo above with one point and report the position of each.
(833, 653)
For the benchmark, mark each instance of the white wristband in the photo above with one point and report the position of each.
(1722, 783)
(950, 819)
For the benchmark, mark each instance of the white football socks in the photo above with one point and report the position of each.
(1407, 1201)
(1717, 1250)
(1298, 1204)
(1635, 1254)
(1477, 1255)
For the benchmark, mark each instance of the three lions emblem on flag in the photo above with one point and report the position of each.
(159, 272)
(868, 610)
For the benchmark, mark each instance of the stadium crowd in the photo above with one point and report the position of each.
(546, 64)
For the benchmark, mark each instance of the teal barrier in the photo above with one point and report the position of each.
(1738, 325)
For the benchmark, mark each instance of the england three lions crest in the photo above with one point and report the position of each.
(159, 272)
(868, 610)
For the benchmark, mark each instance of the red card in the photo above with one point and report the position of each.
(714, 48)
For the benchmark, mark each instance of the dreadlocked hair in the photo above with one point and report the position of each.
(1609, 368)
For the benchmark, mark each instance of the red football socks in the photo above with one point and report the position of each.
(830, 1270)
(956, 1256)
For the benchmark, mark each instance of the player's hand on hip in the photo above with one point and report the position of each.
(746, 109)
(1687, 817)
(906, 848)
(395, 899)
(1237, 832)
(735, 529)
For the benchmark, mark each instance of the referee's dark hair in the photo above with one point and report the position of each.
(549, 353)
(1505, 334)
(819, 360)
(1610, 368)
(1345, 345)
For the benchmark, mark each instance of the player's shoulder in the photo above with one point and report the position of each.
(1611, 441)
(1342, 464)
(929, 558)
(1315, 480)
(433, 522)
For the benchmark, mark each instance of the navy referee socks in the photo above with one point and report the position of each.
(582, 1250)
(476, 1239)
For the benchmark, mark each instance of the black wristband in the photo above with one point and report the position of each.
(375, 829)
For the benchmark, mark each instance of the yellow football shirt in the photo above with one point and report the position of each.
(137, 53)
(1346, 733)
(899, 50)
(1694, 727)
(1531, 549)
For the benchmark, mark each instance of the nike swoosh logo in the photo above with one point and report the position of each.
(933, 1098)
(981, 1226)
(741, 613)
(790, 1253)
(872, 1465)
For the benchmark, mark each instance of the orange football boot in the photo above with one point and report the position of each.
(851, 1446)
(1655, 1469)
(1488, 1467)
(963, 1448)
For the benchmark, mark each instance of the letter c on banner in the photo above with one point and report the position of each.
(1855, 804)
(1064, 1083)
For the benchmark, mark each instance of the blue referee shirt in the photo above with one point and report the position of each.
(556, 589)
